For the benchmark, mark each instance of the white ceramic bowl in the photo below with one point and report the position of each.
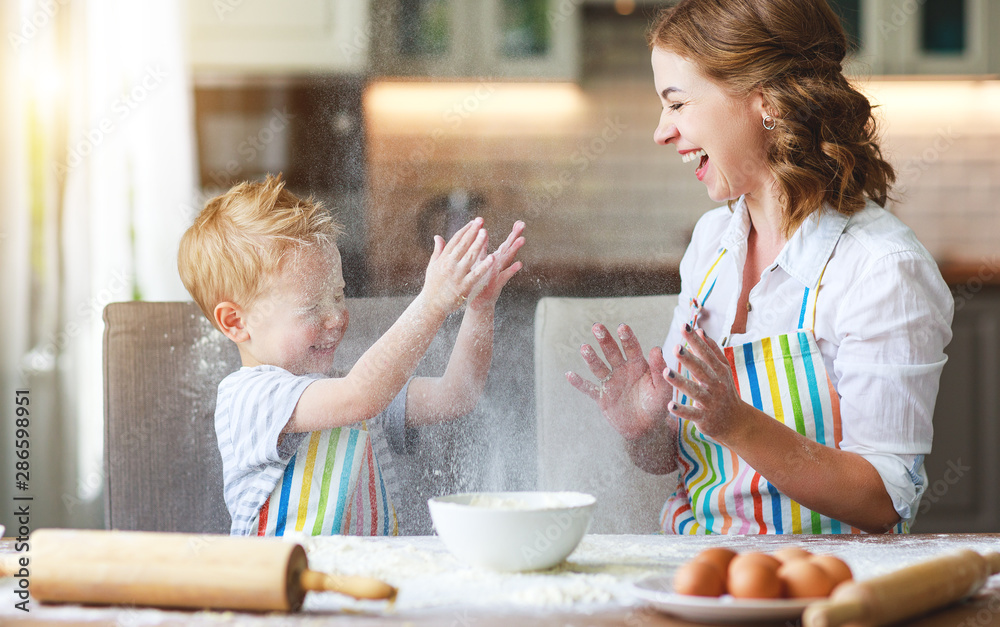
(512, 531)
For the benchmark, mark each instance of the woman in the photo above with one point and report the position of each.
(807, 345)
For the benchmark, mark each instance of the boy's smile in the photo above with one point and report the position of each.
(298, 321)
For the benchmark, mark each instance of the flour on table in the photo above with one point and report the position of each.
(596, 576)
(428, 576)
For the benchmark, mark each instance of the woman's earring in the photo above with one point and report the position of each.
(769, 122)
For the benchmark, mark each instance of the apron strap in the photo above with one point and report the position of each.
(807, 313)
(706, 287)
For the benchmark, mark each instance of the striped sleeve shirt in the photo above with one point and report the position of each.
(252, 407)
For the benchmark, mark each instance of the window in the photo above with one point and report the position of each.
(943, 27)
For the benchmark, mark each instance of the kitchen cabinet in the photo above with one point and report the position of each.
(940, 36)
(921, 37)
(267, 36)
(911, 37)
(963, 469)
(532, 39)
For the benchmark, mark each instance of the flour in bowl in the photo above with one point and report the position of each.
(546, 501)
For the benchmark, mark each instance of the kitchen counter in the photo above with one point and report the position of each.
(591, 588)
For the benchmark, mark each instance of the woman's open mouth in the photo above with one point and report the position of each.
(702, 164)
(702, 167)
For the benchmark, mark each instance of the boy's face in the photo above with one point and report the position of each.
(298, 322)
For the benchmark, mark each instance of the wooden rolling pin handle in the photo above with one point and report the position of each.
(353, 586)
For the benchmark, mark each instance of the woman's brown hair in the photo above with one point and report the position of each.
(824, 148)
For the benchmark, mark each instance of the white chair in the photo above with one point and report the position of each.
(577, 448)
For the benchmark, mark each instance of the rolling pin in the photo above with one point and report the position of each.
(177, 570)
(905, 593)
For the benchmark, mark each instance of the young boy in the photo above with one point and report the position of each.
(297, 447)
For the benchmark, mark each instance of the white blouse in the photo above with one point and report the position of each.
(883, 320)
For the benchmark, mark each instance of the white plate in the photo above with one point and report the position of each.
(657, 591)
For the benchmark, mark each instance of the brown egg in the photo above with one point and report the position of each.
(836, 569)
(699, 579)
(717, 555)
(790, 553)
(754, 579)
(803, 579)
(758, 558)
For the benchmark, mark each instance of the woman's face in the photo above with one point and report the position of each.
(723, 137)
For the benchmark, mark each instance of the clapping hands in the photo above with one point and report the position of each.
(460, 269)
(504, 267)
(631, 391)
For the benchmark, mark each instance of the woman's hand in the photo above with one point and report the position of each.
(631, 392)
(716, 403)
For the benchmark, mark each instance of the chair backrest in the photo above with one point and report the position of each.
(577, 448)
(163, 362)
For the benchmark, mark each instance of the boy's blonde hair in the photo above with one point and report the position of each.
(240, 239)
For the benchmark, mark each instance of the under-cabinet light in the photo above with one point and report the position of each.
(453, 103)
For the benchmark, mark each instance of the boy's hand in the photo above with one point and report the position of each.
(503, 268)
(457, 266)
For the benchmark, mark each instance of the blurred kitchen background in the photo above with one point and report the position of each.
(407, 118)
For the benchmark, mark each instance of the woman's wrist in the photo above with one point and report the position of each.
(653, 451)
(741, 428)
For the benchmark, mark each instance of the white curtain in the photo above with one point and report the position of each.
(15, 218)
(97, 212)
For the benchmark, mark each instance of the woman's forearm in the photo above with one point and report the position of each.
(832, 482)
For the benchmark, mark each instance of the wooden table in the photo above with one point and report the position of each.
(591, 588)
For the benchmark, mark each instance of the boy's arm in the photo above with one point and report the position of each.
(435, 399)
(456, 392)
(454, 270)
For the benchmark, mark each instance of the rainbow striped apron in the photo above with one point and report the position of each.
(783, 376)
(332, 485)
